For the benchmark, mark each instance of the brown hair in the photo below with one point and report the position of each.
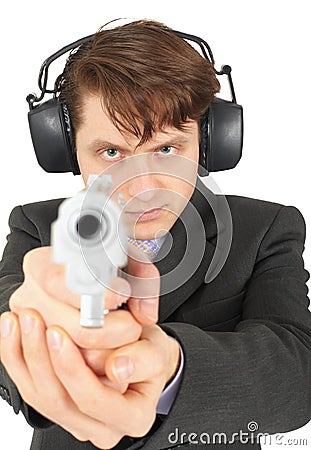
(146, 76)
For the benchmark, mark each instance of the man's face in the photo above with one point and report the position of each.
(101, 147)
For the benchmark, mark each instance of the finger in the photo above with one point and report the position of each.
(61, 348)
(119, 328)
(39, 267)
(49, 396)
(144, 279)
(33, 338)
(121, 387)
(12, 357)
(95, 359)
(97, 400)
(50, 277)
(118, 292)
(147, 359)
(55, 284)
(12, 354)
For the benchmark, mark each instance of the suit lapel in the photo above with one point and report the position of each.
(186, 253)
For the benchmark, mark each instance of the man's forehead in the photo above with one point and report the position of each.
(171, 134)
(96, 118)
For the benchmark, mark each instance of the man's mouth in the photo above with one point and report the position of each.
(147, 214)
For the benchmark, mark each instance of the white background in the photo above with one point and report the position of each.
(266, 42)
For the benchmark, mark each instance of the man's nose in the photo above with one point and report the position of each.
(143, 187)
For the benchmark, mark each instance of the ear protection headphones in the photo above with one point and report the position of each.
(53, 135)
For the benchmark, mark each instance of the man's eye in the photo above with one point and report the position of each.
(110, 153)
(167, 150)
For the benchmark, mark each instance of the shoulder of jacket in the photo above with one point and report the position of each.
(239, 200)
(263, 214)
(49, 207)
(37, 214)
(253, 208)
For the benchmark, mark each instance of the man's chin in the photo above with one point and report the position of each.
(147, 230)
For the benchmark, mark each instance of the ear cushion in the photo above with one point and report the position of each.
(221, 136)
(52, 137)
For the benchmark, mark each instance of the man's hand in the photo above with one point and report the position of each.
(53, 377)
(98, 384)
(44, 289)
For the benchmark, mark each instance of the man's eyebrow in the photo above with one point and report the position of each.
(99, 144)
(164, 139)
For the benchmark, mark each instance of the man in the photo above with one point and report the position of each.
(237, 347)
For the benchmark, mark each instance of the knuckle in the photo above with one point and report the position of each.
(141, 420)
(35, 261)
(124, 329)
(7, 358)
(131, 334)
(50, 403)
(54, 280)
(15, 299)
(133, 328)
(120, 289)
(25, 296)
(29, 396)
(88, 406)
(79, 436)
(159, 360)
(110, 440)
(95, 359)
(135, 331)
(54, 404)
(155, 270)
(28, 259)
(83, 338)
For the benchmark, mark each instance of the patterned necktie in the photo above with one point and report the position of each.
(150, 247)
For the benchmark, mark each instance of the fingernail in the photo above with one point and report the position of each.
(54, 338)
(27, 323)
(149, 308)
(6, 326)
(123, 368)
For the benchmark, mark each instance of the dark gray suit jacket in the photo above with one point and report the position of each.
(246, 335)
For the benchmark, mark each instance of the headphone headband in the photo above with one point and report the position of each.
(44, 70)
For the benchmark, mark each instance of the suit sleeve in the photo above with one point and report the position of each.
(23, 237)
(261, 371)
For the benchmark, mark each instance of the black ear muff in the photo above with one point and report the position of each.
(52, 137)
(221, 136)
